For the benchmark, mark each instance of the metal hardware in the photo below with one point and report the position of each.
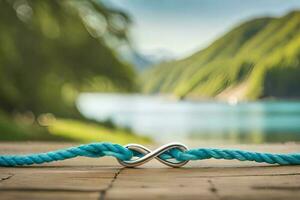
(149, 155)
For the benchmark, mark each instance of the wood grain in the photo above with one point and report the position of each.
(87, 178)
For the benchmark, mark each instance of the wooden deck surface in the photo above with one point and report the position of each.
(88, 178)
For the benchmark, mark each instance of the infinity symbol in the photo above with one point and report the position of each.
(149, 155)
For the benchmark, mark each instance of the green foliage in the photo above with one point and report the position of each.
(262, 53)
(50, 50)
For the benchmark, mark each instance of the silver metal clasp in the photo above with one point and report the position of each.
(149, 155)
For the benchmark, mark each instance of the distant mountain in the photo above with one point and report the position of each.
(142, 61)
(257, 59)
(160, 56)
(134, 58)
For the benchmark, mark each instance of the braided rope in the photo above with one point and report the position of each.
(96, 150)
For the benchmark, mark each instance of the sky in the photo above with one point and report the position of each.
(181, 27)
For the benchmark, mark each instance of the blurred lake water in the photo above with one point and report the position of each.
(168, 120)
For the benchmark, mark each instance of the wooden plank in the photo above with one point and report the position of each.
(258, 187)
(47, 195)
(90, 180)
(80, 178)
(208, 183)
(207, 179)
(157, 184)
(86, 178)
(54, 182)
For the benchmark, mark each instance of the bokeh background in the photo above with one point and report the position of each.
(142, 71)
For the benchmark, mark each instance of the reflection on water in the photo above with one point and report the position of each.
(168, 120)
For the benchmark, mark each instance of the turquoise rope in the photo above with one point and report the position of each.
(96, 150)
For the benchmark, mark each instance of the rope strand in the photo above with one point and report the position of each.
(97, 150)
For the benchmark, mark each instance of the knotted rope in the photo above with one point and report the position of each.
(168, 152)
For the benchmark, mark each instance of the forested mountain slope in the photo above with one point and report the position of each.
(257, 59)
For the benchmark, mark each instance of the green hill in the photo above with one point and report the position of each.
(257, 59)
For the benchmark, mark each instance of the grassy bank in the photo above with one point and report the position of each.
(26, 129)
(91, 132)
